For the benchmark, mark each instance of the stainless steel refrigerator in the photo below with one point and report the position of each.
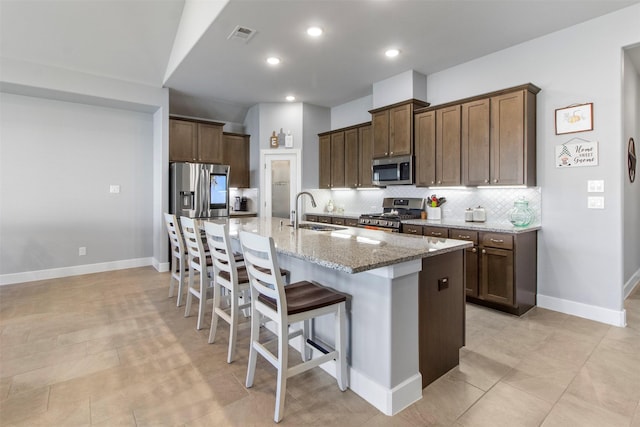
(199, 190)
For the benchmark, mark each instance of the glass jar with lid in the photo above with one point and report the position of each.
(521, 215)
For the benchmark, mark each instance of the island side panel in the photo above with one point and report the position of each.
(442, 314)
(382, 332)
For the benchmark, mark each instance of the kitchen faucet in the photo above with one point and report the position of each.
(294, 212)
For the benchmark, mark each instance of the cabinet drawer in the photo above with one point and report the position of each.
(471, 236)
(337, 221)
(412, 229)
(435, 232)
(351, 222)
(312, 218)
(497, 240)
(324, 219)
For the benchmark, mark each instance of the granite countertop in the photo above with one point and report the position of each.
(475, 226)
(348, 249)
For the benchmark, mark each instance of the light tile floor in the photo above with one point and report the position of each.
(111, 349)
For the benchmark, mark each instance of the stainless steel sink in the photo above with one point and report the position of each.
(320, 227)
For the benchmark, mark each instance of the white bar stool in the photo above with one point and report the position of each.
(198, 262)
(178, 256)
(284, 305)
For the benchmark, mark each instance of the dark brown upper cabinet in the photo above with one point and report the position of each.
(393, 128)
(437, 141)
(194, 141)
(496, 140)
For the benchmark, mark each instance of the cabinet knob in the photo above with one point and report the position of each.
(474, 250)
(386, 154)
(486, 181)
(391, 153)
(495, 180)
(439, 182)
(484, 251)
(433, 182)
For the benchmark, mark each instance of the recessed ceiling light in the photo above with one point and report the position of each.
(290, 98)
(392, 53)
(314, 31)
(272, 60)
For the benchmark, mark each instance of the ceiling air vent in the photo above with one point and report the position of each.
(242, 33)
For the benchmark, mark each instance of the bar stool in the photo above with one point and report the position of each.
(284, 305)
(178, 255)
(198, 262)
(227, 277)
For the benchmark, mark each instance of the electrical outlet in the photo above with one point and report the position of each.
(114, 189)
(595, 202)
(82, 251)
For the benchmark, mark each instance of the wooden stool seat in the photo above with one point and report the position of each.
(305, 296)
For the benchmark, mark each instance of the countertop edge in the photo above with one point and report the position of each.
(477, 226)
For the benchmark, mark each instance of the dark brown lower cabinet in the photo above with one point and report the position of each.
(506, 268)
(441, 314)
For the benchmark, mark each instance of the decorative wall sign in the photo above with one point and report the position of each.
(575, 118)
(631, 160)
(577, 154)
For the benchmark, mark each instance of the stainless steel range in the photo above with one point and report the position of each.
(393, 212)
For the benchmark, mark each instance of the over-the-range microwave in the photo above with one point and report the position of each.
(392, 171)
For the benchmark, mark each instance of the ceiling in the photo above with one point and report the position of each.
(221, 78)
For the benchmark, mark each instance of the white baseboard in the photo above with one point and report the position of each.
(162, 267)
(388, 401)
(76, 270)
(592, 312)
(631, 284)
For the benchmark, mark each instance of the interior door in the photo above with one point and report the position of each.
(280, 182)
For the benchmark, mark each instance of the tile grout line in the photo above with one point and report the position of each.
(576, 374)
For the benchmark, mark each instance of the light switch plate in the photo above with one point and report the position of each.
(595, 186)
(595, 202)
(114, 189)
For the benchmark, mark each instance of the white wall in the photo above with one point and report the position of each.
(122, 104)
(631, 191)
(351, 113)
(579, 250)
(314, 121)
(57, 162)
(401, 87)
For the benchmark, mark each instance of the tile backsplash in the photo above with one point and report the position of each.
(496, 201)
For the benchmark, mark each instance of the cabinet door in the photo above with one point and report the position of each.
(448, 146)
(324, 148)
(401, 130)
(496, 275)
(475, 143)
(507, 139)
(471, 273)
(183, 137)
(235, 153)
(209, 143)
(365, 146)
(380, 123)
(425, 140)
(337, 159)
(351, 171)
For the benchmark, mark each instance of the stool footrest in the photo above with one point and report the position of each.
(317, 346)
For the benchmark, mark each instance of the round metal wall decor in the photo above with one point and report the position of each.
(631, 160)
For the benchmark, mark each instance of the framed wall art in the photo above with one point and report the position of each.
(574, 118)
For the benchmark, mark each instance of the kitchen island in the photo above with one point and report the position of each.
(391, 307)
